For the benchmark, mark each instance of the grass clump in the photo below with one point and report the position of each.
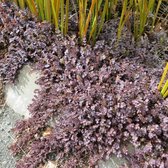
(93, 14)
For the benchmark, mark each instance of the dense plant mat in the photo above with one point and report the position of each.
(92, 101)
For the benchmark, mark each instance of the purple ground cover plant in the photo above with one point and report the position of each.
(96, 100)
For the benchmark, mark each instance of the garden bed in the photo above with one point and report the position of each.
(93, 100)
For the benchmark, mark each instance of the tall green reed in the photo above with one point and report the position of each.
(93, 14)
(138, 11)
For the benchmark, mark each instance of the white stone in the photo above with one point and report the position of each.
(20, 95)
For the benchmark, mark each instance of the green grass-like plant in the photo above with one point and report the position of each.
(93, 14)
(137, 12)
(164, 89)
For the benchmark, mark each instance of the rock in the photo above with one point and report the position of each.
(20, 95)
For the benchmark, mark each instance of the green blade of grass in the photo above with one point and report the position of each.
(103, 16)
(122, 18)
(156, 13)
(53, 6)
(143, 15)
(151, 5)
(82, 16)
(62, 16)
(47, 10)
(40, 6)
(165, 95)
(66, 16)
(57, 9)
(163, 77)
(165, 87)
(107, 11)
(21, 4)
(93, 27)
(89, 17)
(32, 6)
